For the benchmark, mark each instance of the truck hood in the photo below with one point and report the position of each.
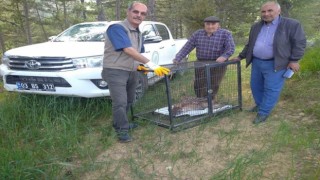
(59, 49)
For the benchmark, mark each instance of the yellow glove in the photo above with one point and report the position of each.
(143, 68)
(158, 70)
(161, 71)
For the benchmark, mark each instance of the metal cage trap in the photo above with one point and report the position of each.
(194, 91)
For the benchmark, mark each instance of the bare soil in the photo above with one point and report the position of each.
(202, 151)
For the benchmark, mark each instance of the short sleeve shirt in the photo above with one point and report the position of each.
(119, 37)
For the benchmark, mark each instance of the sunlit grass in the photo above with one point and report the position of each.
(41, 134)
(47, 137)
(311, 60)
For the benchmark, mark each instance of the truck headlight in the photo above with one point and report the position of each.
(88, 62)
(5, 60)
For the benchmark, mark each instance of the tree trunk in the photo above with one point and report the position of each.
(84, 13)
(65, 20)
(118, 9)
(57, 16)
(285, 7)
(2, 44)
(27, 23)
(101, 14)
(151, 10)
(41, 24)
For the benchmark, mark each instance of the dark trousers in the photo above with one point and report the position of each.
(122, 86)
(200, 82)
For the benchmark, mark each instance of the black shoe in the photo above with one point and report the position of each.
(254, 109)
(260, 118)
(133, 125)
(124, 137)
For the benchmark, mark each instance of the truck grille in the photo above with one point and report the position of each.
(40, 63)
(57, 81)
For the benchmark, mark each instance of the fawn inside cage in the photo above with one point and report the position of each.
(195, 91)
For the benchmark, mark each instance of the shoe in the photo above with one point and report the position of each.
(260, 118)
(124, 137)
(133, 125)
(254, 109)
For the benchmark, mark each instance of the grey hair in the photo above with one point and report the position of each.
(275, 2)
(278, 5)
(132, 4)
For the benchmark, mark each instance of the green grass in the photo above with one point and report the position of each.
(40, 135)
(311, 61)
(47, 137)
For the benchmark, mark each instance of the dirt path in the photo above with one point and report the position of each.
(210, 149)
(227, 147)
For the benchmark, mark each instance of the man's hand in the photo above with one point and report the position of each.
(158, 70)
(175, 61)
(294, 66)
(143, 68)
(235, 59)
(221, 59)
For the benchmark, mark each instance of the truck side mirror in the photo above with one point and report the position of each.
(152, 39)
(51, 38)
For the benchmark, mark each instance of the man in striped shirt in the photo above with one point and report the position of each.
(212, 44)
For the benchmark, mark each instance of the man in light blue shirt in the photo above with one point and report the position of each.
(275, 44)
(263, 49)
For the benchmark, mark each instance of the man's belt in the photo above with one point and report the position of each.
(271, 59)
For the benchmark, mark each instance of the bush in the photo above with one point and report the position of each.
(310, 63)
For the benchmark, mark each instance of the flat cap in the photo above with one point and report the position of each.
(211, 19)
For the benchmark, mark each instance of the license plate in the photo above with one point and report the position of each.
(35, 86)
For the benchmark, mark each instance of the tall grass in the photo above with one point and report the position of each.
(40, 135)
(47, 137)
(311, 60)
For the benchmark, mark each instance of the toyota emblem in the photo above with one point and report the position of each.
(32, 64)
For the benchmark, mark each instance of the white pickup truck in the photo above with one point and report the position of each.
(70, 64)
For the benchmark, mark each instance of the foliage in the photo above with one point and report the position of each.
(311, 60)
(47, 18)
(193, 18)
(227, 10)
(307, 12)
(169, 12)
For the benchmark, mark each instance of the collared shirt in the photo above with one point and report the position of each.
(263, 47)
(220, 43)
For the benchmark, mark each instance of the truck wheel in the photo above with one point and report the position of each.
(142, 85)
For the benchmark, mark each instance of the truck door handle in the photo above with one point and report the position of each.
(147, 52)
(173, 45)
(161, 47)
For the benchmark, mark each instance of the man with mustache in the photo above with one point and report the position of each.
(213, 44)
(275, 44)
(122, 56)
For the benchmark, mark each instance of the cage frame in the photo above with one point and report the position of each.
(198, 119)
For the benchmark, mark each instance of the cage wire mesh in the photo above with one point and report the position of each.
(195, 91)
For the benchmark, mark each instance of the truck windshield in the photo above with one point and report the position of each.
(83, 33)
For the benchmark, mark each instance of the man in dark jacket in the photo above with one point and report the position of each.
(275, 44)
